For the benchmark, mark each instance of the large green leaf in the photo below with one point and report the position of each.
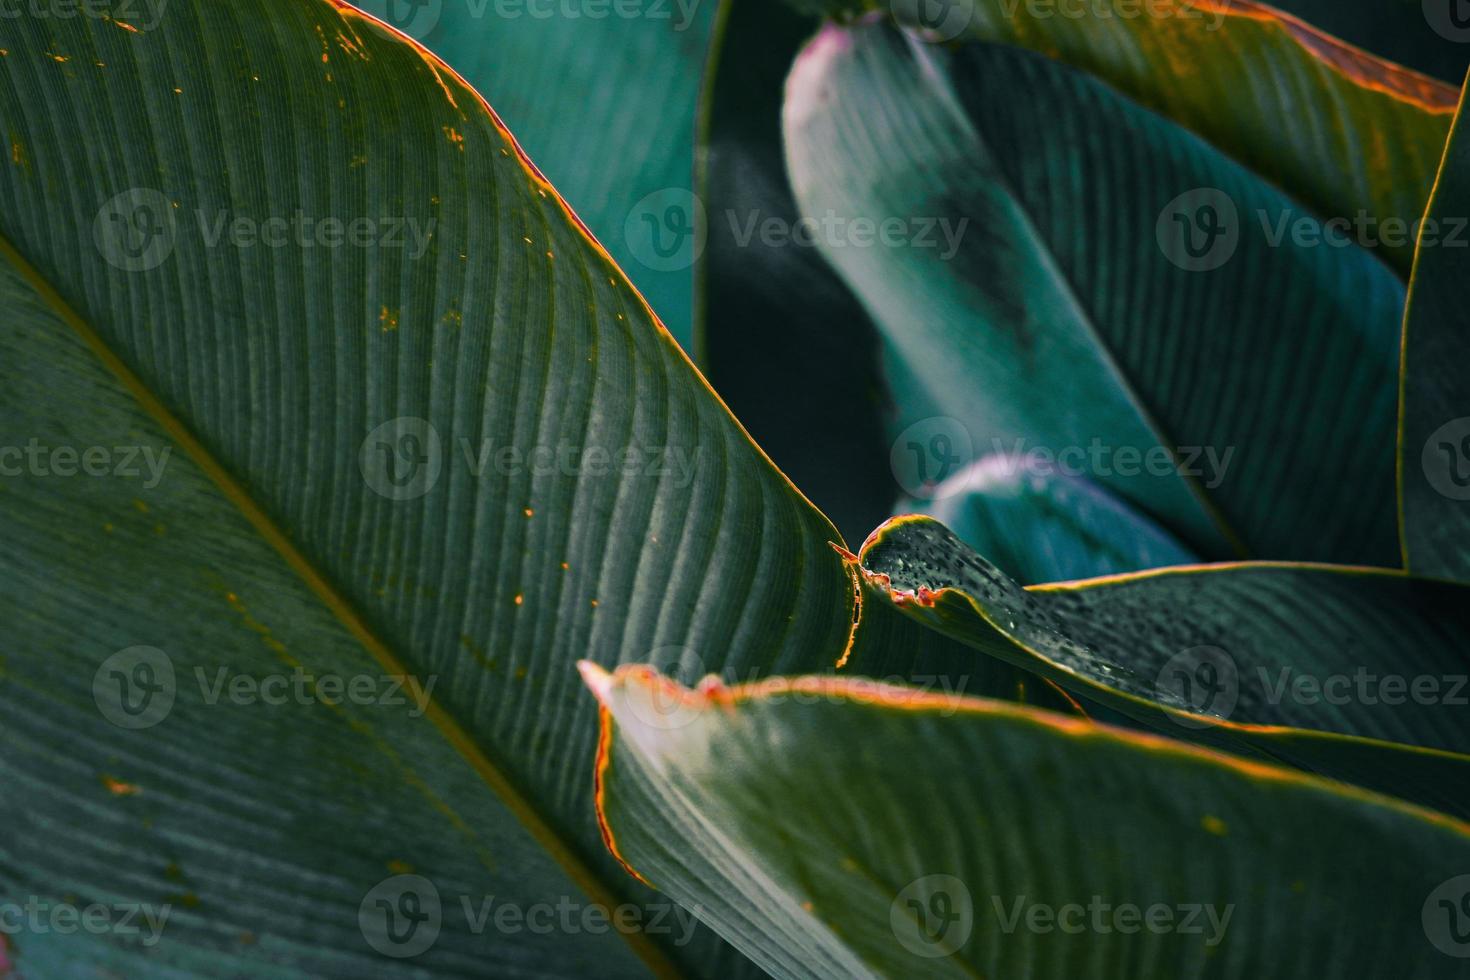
(930, 836)
(1434, 395)
(1037, 289)
(1359, 674)
(1337, 128)
(1040, 525)
(604, 97)
(318, 384)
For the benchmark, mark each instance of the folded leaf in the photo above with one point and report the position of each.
(605, 102)
(957, 837)
(1335, 127)
(1040, 525)
(1434, 394)
(1036, 285)
(1359, 674)
(420, 427)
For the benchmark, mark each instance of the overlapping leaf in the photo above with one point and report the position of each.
(1039, 525)
(1339, 129)
(420, 426)
(1359, 674)
(1052, 292)
(1434, 396)
(953, 837)
(605, 100)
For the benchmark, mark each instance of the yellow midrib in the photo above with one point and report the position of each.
(646, 950)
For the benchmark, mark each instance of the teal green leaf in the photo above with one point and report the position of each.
(938, 836)
(1342, 131)
(303, 258)
(1039, 525)
(604, 97)
(1434, 407)
(1359, 674)
(1042, 299)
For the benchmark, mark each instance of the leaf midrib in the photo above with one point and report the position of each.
(342, 609)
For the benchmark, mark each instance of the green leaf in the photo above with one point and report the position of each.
(1039, 525)
(1354, 673)
(1434, 405)
(173, 281)
(930, 835)
(1422, 36)
(1335, 127)
(1037, 290)
(584, 93)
